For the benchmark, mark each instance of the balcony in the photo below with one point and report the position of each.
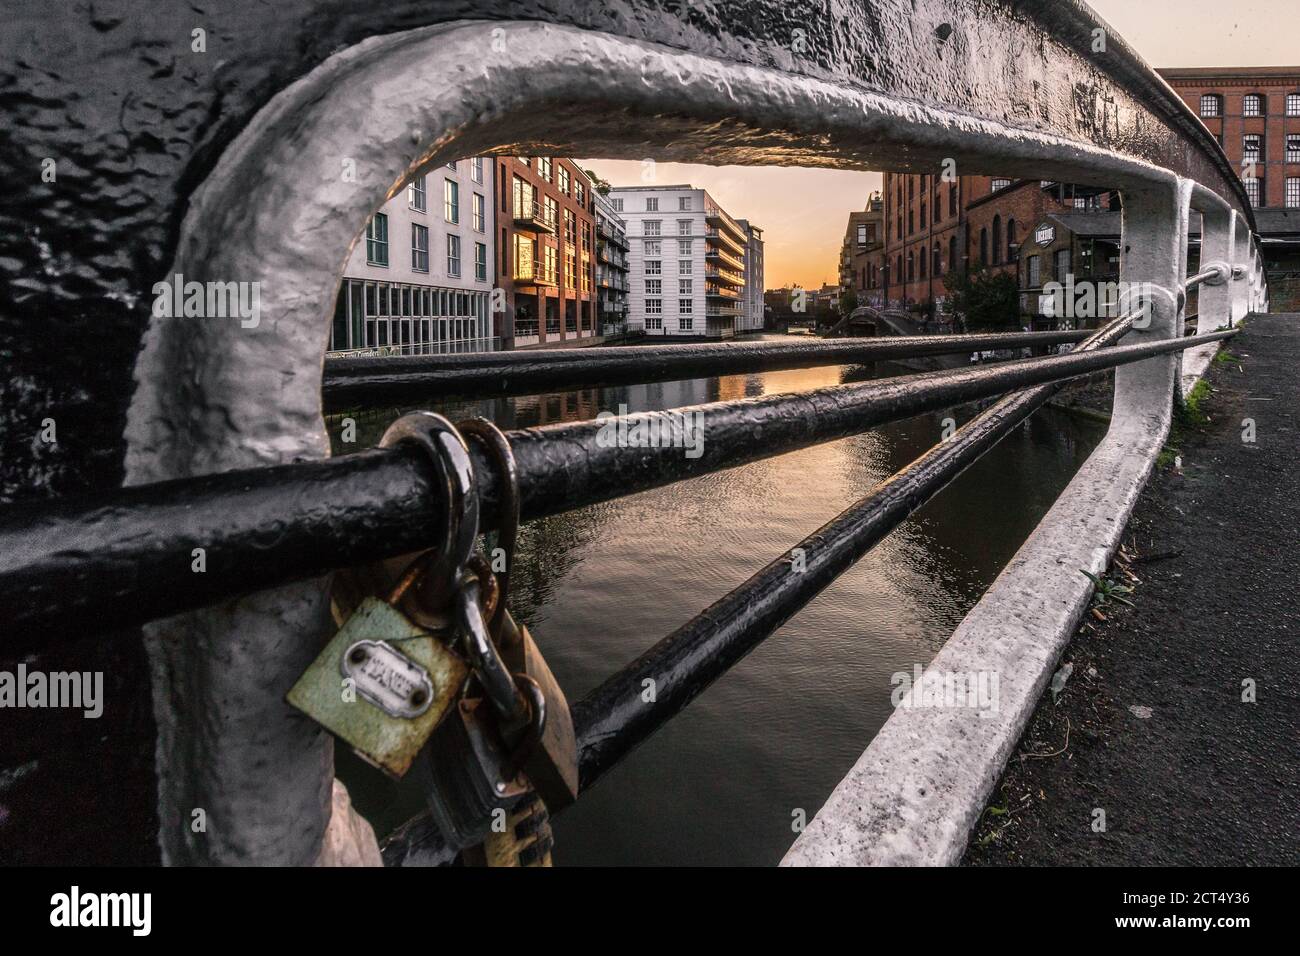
(718, 256)
(616, 236)
(721, 292)
(723, 311)
(533, 217)
(718, 274)
(719, 220)
(533, 273)
(720, 237)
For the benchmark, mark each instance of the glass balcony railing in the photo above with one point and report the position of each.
(533, 216)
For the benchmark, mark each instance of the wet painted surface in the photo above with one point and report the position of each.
(600, 585)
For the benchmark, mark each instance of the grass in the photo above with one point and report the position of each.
(1188, 414)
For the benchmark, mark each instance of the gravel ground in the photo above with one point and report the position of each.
(1151, 728)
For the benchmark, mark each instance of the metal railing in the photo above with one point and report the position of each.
(121, 558)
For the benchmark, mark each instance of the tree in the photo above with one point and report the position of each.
(849, 302)
(985, 299)
(602, 185)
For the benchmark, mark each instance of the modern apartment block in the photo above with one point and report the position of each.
(752, 318)
(611, 266)
(686, 262)
(420, 281)
(545, 257)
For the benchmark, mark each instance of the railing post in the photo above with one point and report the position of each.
(1153, 264)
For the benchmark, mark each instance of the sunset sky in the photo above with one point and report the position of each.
(803, 211)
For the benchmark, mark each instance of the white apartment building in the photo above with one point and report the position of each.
(420, 279)
(753, 316)
(686, 262)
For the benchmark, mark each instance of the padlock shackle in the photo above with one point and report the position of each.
(498, 683)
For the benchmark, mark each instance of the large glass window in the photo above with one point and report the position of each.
(1252, 104)
(480, 261)
(480, 220)
(1211, 104)
(451, 200)
(419, 248)
(453, 255)
(1293, 192)
(1293, 149)
(1254, 190)
(415, 196)
(377, 240)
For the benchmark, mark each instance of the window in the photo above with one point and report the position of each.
(570, 227)
(419, 247)
(923, 219)
(1252, 145)
(1011, 240)
(684, 287)
(545, 168)
(617, 204)
(1062, 264)
(377, 240)
(476, 169)
(653, 267)
(652, 227)
(550, 210)
(564, 180)
(683, 247)
(911, 270)
(480, 261)
(984, 247)
(1211, 104)
(683, 227)
(862, 233)
(654, 307)
(921, 260)
(952, 253)
(684, 204)
(997, 240)
(686, 307)
(1252, 104)
(653, 247)
(685, 267)
(952, 199)
(1032, 277)
(1293, 149)
(415, 194)
(654, 286)
(453, 255)
(686, 323)
(1000, 184)
(580, 195)
(1293, 192)
(652, 204)
(1253, 191)
(1293, 104)
(937, 269)
(451, 200)
(479, 213)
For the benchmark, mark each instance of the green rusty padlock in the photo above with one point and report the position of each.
(389, 677)
(384, 683)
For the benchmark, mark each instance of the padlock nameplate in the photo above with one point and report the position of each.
(342, 702)
(388, 679)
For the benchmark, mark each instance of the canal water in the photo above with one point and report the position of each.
(725, 781)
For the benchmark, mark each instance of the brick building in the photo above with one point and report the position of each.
(545, 259)
(863, 236)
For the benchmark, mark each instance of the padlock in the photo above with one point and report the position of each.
(383, 684)
(468, 774)
(523, 838)
(552, 762)
(388, 678)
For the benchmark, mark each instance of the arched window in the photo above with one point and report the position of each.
(1011, 240)
(1252, 104)
(921, 259)
(997, 240)
(984, 247)
(1211, 104)
(952, 254)
(952, 199)
(938, 262)
(911, 272)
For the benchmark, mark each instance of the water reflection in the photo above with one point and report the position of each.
(601, 584)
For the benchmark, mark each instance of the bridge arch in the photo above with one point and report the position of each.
(217, 396)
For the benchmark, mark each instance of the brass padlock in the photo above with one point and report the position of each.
(521, 837)
(551, 763)
(384, 683)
